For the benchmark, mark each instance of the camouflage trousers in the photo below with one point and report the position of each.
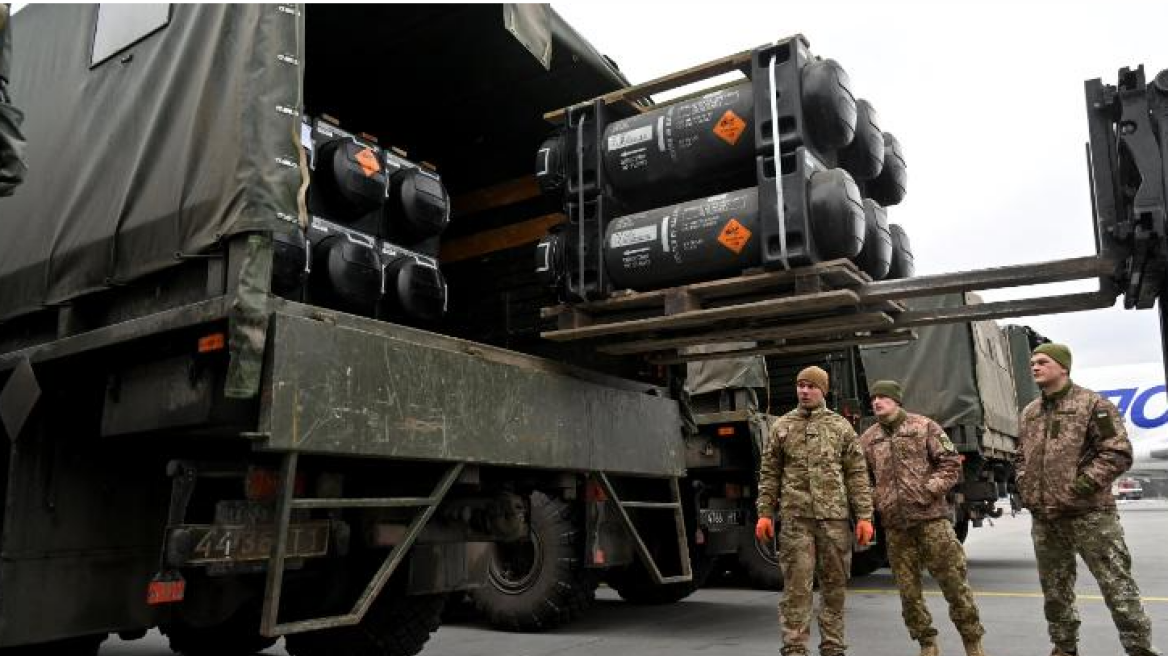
(1097, 538)
(932, 545)
(808, 547)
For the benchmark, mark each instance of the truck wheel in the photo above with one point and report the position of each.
(541, 583)
(760, 561)
(237, 636)
(396, 625)
(635, 586)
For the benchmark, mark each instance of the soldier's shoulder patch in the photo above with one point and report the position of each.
(946, 443)
(1103, 423)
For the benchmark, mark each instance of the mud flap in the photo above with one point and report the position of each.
(249, 316)
(18, 398)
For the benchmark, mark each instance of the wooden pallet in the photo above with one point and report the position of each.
(810, 308)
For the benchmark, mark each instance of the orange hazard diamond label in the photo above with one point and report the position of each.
(730, 127)
(368, 161)
(734, 236)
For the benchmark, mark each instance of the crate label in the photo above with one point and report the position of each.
(634, 236)
(730, 127)
(367, 160)
(630, 138)
(734, 236)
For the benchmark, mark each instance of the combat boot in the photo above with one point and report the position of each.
(929, 647)
(973, 647)
(1059, 652)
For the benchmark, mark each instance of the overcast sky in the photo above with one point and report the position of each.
(986, 98)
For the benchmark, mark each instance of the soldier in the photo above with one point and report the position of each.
(12, 166)
(1073, 446)
(915, 466)
(814, 471)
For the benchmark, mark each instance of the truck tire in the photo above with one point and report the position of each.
(237, 636)
(539, 584)
(759, 561)
(396, 625)
(635, 586)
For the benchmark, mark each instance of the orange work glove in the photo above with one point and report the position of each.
(864, 532)
(764, 529)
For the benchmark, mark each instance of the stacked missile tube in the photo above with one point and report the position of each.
(782, 170)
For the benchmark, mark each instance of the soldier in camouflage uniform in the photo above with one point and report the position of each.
(1073, 446)
(915, 465)
(814, 471)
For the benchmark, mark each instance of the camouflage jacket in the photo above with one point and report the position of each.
(1075, 432)
(813, 467)
(915, 466)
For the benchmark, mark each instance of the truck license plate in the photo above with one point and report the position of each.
(217, 543)
(721, 519)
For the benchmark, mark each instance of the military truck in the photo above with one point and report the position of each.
(965, 375)
(270, 335)
(234, 405)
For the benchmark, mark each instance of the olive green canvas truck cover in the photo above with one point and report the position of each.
(157, 134)
(961, 375)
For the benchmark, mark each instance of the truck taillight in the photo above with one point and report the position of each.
(262, 484)
(212, 342)
(166, 588)
(594, 491)
(599, 557)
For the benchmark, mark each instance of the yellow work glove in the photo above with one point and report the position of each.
(864, 532)
(765, 529)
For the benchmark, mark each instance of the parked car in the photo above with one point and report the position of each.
(1127, 488)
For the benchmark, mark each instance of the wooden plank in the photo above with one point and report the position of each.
(489, 241)
(502, 194)
(840, 273)
(792, 349)
(679, 300)
(773, 307)
(808, 284)
(813, 328)
(671, 81)
(572, 318)
(553, 311)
